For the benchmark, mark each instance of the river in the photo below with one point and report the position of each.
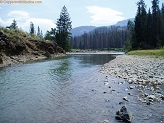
(67, 90)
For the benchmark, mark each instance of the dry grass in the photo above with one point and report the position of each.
(18, 35)
(156, 53)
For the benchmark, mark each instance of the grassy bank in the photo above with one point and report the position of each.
(156, 53)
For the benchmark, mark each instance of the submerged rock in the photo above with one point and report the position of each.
(106, 121)
(124, 114)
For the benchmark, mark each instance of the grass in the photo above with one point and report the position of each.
(17, 35)
(156, 52)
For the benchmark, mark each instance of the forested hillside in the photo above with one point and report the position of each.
(146, 32)
(101, 38)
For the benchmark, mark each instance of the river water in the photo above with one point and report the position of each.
(68, 90)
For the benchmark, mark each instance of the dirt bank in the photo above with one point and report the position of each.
(18, 47)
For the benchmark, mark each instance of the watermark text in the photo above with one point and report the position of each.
(20, 1)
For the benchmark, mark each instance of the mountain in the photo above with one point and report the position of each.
(124, 22)
(80, 30)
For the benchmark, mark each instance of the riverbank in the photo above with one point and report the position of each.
(136, 69)
(145, 74)
(21, 59)
(17, 47)
(79, 52)
(155, 52)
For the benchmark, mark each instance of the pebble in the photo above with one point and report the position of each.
(131, 87)
(144, 71)
(125, 98)
(129, 94)
(106, 121)
(136, 69)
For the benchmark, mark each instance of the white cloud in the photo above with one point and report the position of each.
(19, 15)
(23, 20)
(104, 16)
(44, 24)
(5, 22)
(0, 7)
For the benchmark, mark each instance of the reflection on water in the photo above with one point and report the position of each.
(62, 72)
(96, 59)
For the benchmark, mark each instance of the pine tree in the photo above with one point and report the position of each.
(149, 35)
(63, 29)
(39, 33)
(156, 23)
(130, 34)
(162, 25)
(137, 36)
(14, 25)
(32, 29)
(143, 25)
(139, 41)
(50, 35)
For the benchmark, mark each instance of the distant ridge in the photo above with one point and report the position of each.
(85, 29)
(81, 30)
(124, 22)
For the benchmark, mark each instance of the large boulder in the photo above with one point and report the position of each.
(124, 114)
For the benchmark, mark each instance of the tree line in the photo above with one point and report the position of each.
(147, 31)
(101, 38)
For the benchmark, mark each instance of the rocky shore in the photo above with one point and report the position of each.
(136, 69)
(144, 73)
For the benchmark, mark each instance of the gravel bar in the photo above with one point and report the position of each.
(136, 69)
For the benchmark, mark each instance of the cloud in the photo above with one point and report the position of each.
(23, 20)
(44, 24)
(19, 15)
(0, 7)
(5, 22)
(104, 16)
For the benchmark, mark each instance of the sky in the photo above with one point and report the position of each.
(82, 12)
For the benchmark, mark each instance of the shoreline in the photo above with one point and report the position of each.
(145, 74)
(136, 69)
(22, 59)
(95, 52)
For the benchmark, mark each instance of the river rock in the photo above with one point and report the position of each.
(124, 114)
(136, 69)
(151, 97)
(130, 81)
(106, 121)
(131, 87)
(125, 98)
